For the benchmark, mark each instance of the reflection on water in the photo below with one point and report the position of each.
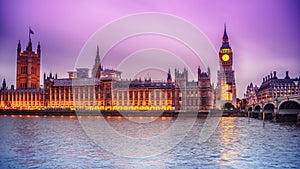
(60, 142)
(137, 128)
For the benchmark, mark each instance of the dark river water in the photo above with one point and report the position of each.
(69, 142)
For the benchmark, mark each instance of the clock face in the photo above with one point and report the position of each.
(225, 57)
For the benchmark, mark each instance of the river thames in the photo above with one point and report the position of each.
(61, 142)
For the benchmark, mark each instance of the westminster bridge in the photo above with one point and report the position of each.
(280, 109)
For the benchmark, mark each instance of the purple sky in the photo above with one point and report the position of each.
(264, 34)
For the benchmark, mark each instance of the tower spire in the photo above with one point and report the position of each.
(19, 48)
(169, 78)
(39, 49)
(97, 59)
(96, 72)
(225, 43)
(225, 36)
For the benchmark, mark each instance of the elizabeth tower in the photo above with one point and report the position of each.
(226, 87)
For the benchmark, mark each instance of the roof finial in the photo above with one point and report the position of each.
(19, 47)
(39, 49)
(169, 75)
(4, 84)
(287, 75)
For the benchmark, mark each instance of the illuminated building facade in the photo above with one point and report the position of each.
(21, 98)
(205, 90)
(28, 94)
(193, 95)
(105, 90)
(273, 87)
(251, 94)
(28, 67)
(226, 87)
(109, 92)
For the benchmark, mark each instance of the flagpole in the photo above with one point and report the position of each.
(29, 34)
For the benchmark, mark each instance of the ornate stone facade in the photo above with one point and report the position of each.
(105, 90)
(226, 87)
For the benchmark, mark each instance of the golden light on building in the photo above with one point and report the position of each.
(226, 86)
(106, 90)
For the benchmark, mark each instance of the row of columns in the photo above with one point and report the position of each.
(86, 96)
(22, 100)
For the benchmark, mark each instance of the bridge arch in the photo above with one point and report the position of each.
(269, 108)
(290, 108)
(257, 108)
(289, 104)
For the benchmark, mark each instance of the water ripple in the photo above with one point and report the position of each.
(46, 142)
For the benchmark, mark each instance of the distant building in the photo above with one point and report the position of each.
(272, 87)
(251, 94)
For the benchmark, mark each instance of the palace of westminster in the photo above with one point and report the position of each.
(106, 90)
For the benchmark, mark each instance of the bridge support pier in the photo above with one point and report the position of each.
(285, 118)
(268, 115)
(255, 114)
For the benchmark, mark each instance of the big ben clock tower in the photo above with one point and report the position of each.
(226, 87)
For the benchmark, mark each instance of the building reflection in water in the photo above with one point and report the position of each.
(60, 142)
(229, 142)
(141, 127)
